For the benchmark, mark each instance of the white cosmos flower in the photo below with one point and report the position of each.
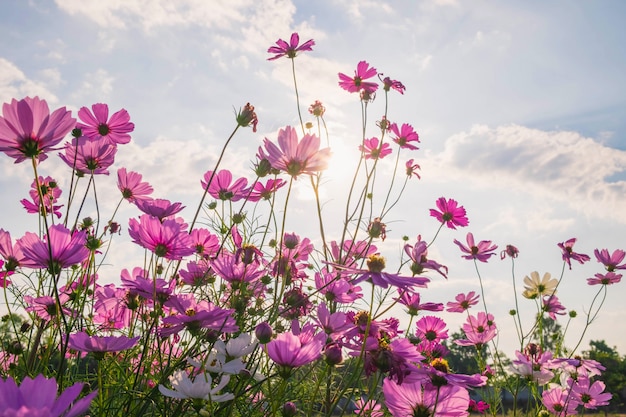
(200, 387)
(534, 286)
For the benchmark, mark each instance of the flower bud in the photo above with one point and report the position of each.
(263, 332)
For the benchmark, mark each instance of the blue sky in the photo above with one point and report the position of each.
(520, 108)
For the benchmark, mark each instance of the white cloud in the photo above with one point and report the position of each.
(98, 85)
(15, 84)
(557, 165)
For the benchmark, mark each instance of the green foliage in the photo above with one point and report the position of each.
(615, 374)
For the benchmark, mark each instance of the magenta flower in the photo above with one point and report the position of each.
(411, 169)
(559, 402)
(167, 239)
(291, 49)
(605, 279)
(156, 289)
(100, 344)
(553, 306)
(481, 251)
(10, 252)
(431, 328)
(289, 351)
(450, 213)
(204, 241)
(194, 316)
(417, 399)
(159, 208)
(418, 253)
(374, 274)
(317, 109)
(295, 156)
(28, 130)
(463, 302)
(47, 307)
(265, 191)
(368, 408)
(221, 186)
(111, 307)
(130, 185)
(336, 289)
(591, 396)
(388, 84)
(88, 156)
(4, 281)
(230, 268)
(533, 367)
(98, 125)
(412, 301)
(38, 397)
(67, 249)
(478, 330)
(50, 191)
(374, 149)
(357, 83)
(567, 248)
(611, 262)
(404, 136)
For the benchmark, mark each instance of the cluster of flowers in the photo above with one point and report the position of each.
(229, 323)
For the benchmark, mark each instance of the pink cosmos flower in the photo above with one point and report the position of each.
(374, 274)
(130, 185)
(159, 208)
(289, 351)
(553, 306)
(28, 130)
(50, 191)
(357, 83)
(230, 268)
(336, 289)
(67, 249)
(559, 402)
(395, 358)
(404, 136)
(611, 262)
(431, 328)
(413, 302)
(373, 149)
(412, 399)
(317, 109)
(195, 316)
(478, 406)
(590, 395)
(4, 281)
(533, 367)
(478, 330)
(411, 169)
(38, 397)
(111, 307)
(605, 279)
(332, 324)
(88, 156)
(221, 187)
(567, 248)
(294, 156)
(388, 84)
(265, 191)
(83, 342)
(167, 239)
(418, 253)
(450, 213)
(368, 408)
(291, 49)
(463, 302)
(46, 307)
(205, 242)
(97, 124)
(481, 251)
(138, 283)
(10, 252)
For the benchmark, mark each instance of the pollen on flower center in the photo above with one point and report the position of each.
(440, 364)
(375, 263)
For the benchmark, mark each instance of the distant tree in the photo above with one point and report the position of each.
(462, 359)
(615, 374)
